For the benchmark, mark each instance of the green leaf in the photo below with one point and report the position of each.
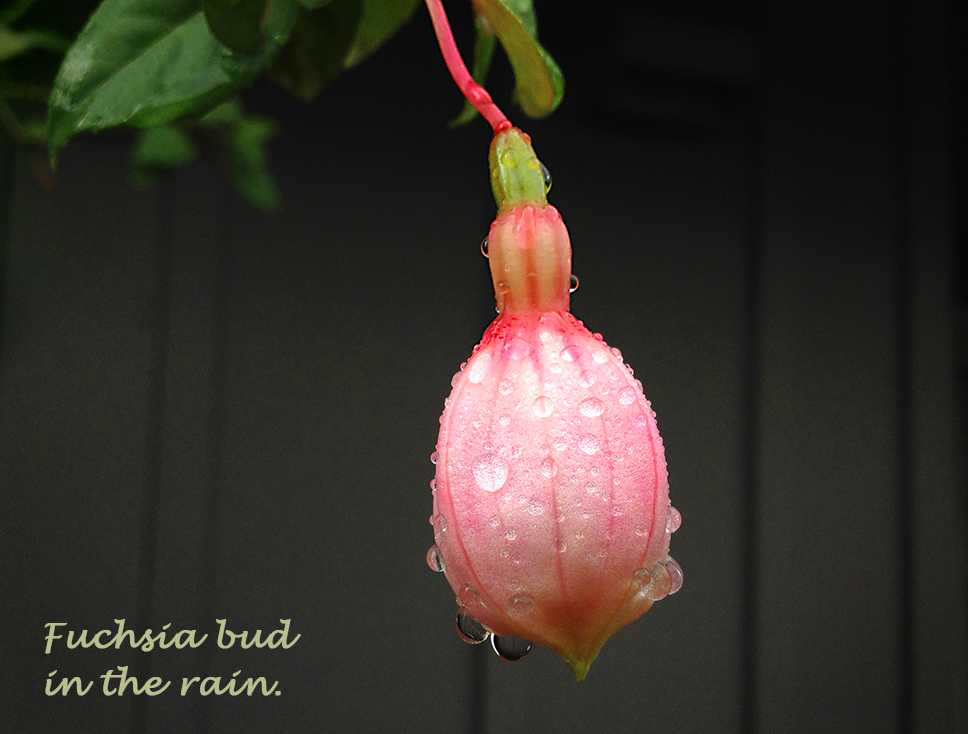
(484, 42)
(148, 62)
(246, 163)
(319, 42)
(237, 23)
(13, 43)
(539, 84)
(381, 19)
(164, 147)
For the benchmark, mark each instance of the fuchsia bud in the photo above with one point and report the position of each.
(551, 507)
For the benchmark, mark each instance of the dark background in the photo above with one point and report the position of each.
(209, 412)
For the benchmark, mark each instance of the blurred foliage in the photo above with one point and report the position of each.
(173, 69)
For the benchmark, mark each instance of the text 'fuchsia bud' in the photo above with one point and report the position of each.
(551, 502)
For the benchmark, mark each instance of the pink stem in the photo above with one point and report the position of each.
(474, 92)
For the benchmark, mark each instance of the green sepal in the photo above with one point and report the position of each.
(539, 84)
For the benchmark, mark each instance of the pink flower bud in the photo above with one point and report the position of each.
(551, 506)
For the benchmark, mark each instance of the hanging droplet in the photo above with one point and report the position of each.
(547, 177)
(510, 648)
(484, 247)
(433, 458)
(574, 283)
(675, 574)
(469, 629)
(674, 520)
(435, 559)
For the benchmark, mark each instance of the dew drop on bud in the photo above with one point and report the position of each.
(542, 406)
(435, 559)
(469, 629)
(547, 177)
(490, 472)
(521, 606)
(626, 396)
(433, 458)
(591, 407)
(675, 574)
(674, 520)
(484, 247)
(510, 648)
(574, 283)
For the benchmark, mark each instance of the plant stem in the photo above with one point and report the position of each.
(474, 92)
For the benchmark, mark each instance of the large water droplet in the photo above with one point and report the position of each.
(675, 574)
(433, 458)
(642, 580)
(490, 472)
(442, 521)
(548, 467)
(547, 177)
(521, 606)
(674, 520)
(543, 406)
(435, 559)
(510, 648)
(571, 353)
(573, 286)
(469, 629)
(509, 158)
(484, 247)
(588, 444)
(626, 396)
(478, 371)
(591, 407)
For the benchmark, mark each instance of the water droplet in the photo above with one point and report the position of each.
(561, 546)
(591, 407)
(510, 648)
(574, 283)
(504, 419)
(479, 368)
(626, 396)
(548, 467)
(433, 458)
(674, 520)
(433, 484)
(554, 368)
(600, 356)
(571, 353)
(587, 378)
(543, 406)
(675, 574)
(559, 443)
(511, 534)
(494, 521)
(490, 472)
(518, 349)
(509, 158)
(642, 580)
(535, 508)
(469, 629)
(521, 606)
(588, 444)
(505, 387)
(547, 177)
(484, 247)
(435, 559)
(469, 596)
(616, 352)
(442, 521)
